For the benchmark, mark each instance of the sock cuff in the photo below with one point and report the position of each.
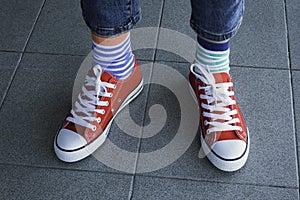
(114, 47)
(213, 46)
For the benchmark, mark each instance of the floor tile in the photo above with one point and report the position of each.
(266, 47)
(143, 42)
(42, 91)
(144, 37)
(176, 17)
(293, 15)
(158, 188)
(272, 155)
(151, 11)
(60, 29)
(20, 182)
(17, 18)
(261, 40)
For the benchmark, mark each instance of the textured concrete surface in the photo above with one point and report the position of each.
(293, 14)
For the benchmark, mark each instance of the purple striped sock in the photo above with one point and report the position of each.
(117, 60)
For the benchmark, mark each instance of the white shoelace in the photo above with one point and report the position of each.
(88, 100)
(220, 96)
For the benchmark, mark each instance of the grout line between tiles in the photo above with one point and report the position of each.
(141, 59)
(212, 181)
(64, 169)
(22, 54)
(131, 187)
(139, 141)
(55, 54)
(292, 89)
(147, 96)
(233, 65)
(10, 51)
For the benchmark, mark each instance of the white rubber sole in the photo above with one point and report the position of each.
(81, 153)
(228, 165)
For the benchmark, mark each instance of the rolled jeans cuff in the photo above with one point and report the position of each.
(216, 20)
(215, 36)
(108, 18)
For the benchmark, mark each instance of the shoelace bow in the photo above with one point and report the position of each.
(218, 97)
(88, 101)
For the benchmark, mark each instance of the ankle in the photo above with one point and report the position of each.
(109, 41)
(213, 55)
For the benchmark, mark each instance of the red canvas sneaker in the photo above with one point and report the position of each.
(102, 97)
(225, 138)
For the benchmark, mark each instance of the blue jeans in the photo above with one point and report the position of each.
(215, 20)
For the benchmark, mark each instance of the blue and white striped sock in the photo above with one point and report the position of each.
(213, 55)
(117, 60)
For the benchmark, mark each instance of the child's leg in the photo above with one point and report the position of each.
(114, 80)
(225, 138)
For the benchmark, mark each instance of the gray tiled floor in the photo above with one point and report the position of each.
(158, 188)
(37, 94)
(63, 20)
(19, 182)
(261, 41)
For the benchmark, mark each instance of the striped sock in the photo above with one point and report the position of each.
(213, 55)
(117, 60)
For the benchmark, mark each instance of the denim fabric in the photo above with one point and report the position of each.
(216, 20)
(111, 17)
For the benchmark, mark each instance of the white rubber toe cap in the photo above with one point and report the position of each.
(69, 140)
(229, 149)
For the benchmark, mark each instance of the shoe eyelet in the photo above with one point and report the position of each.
(111, 94)
(103, 112)
(94, 128)
(205, 122)
(98, 119)
(115, 86)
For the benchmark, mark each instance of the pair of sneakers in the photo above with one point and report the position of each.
(224, 136)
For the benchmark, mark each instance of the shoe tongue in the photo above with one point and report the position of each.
(222, 77)
(105, 77)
